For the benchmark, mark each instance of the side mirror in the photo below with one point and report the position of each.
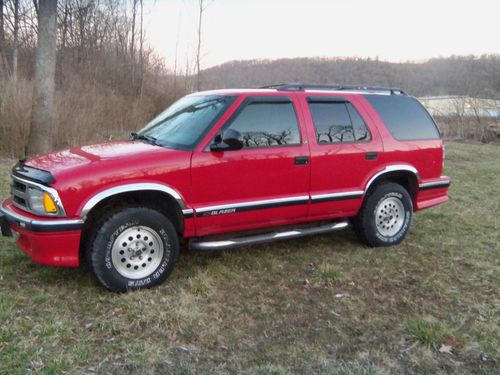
(229, 141)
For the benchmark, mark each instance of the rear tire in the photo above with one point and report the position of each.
(385, 218)
(132, 248)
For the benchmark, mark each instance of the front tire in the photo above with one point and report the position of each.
(133, 248)
(385, 218)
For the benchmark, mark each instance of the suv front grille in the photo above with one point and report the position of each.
(19, 195)
(21, 190)
(19, 186)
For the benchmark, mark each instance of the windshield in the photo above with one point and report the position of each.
(186, 121)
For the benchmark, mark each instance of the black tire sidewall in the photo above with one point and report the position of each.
(387, 190)
(105, 236)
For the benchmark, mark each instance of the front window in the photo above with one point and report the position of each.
(187, 121)
(267, 124)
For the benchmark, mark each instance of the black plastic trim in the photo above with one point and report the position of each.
(338, 198)
(263, 206)
(438, 185)
(41, 226)
(267, 99)
(34, 174)
(327, 99)
(332, 87)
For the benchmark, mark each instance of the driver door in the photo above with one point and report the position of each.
(265, 182)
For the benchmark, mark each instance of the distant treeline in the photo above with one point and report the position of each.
(456, 75)
(109, 81)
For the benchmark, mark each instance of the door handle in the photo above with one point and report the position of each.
(371, 155)
(301, 160)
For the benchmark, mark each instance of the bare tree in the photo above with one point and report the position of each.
(132, 41)
(2, 40)
(202, 6)
(141, 50)
(42, 116)
(15, 48)
(176, 57)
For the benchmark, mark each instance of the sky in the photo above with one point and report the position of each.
(391, 30)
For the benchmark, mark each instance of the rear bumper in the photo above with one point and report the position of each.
(53, 242)
(432, 192)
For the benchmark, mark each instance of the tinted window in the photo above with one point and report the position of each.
(267, 125)
(186, 121)
(404, 116)
(361, 132)
(338, 122)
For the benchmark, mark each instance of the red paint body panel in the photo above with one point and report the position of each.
(203, 178)
(81, 173)
(220, 178)
(425, 156)
(339, 167)
(50, 248)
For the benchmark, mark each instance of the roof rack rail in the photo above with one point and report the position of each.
(307, 86)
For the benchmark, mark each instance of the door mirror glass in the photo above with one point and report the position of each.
(228, 141)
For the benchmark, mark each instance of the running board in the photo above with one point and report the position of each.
(268, 237)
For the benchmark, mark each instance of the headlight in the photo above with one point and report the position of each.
(41, 202)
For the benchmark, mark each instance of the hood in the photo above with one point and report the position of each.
(81, 172)
(60, 161)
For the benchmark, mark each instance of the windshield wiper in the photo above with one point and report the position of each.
(144, 137)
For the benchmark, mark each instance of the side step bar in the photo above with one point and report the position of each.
(267, 237)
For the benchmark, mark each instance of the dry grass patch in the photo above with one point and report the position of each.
(319, 305)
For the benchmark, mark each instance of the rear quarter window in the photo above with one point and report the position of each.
(404, 117)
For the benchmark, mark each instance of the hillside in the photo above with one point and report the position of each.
(467, 75)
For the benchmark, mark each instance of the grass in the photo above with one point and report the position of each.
(430, 332)
(322, 305)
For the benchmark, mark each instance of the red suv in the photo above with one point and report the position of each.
(282, 161)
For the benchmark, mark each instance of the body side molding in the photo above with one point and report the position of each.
(251, 205)
(129, 188)
(435, 184)
(345, 195)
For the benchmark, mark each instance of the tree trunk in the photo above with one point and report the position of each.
(2, 39)
(132, 43)
(42, 115)
(15, 47)
(141, 51)
(198, 49)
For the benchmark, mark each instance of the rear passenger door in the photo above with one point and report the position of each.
(345, 148)
(266, 182)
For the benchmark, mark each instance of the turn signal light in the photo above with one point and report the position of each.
(49, 204)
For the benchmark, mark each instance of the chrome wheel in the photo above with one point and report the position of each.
(137, 252)
(390, 216)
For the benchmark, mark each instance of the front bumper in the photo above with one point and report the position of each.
(53, 242)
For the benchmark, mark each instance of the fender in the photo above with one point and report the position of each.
(393, 168)
(145, 186)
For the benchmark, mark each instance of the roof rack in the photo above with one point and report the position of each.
(307, 86)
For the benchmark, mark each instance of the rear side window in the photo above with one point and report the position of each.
(269, 124)
(337, 122)
(404, 116)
